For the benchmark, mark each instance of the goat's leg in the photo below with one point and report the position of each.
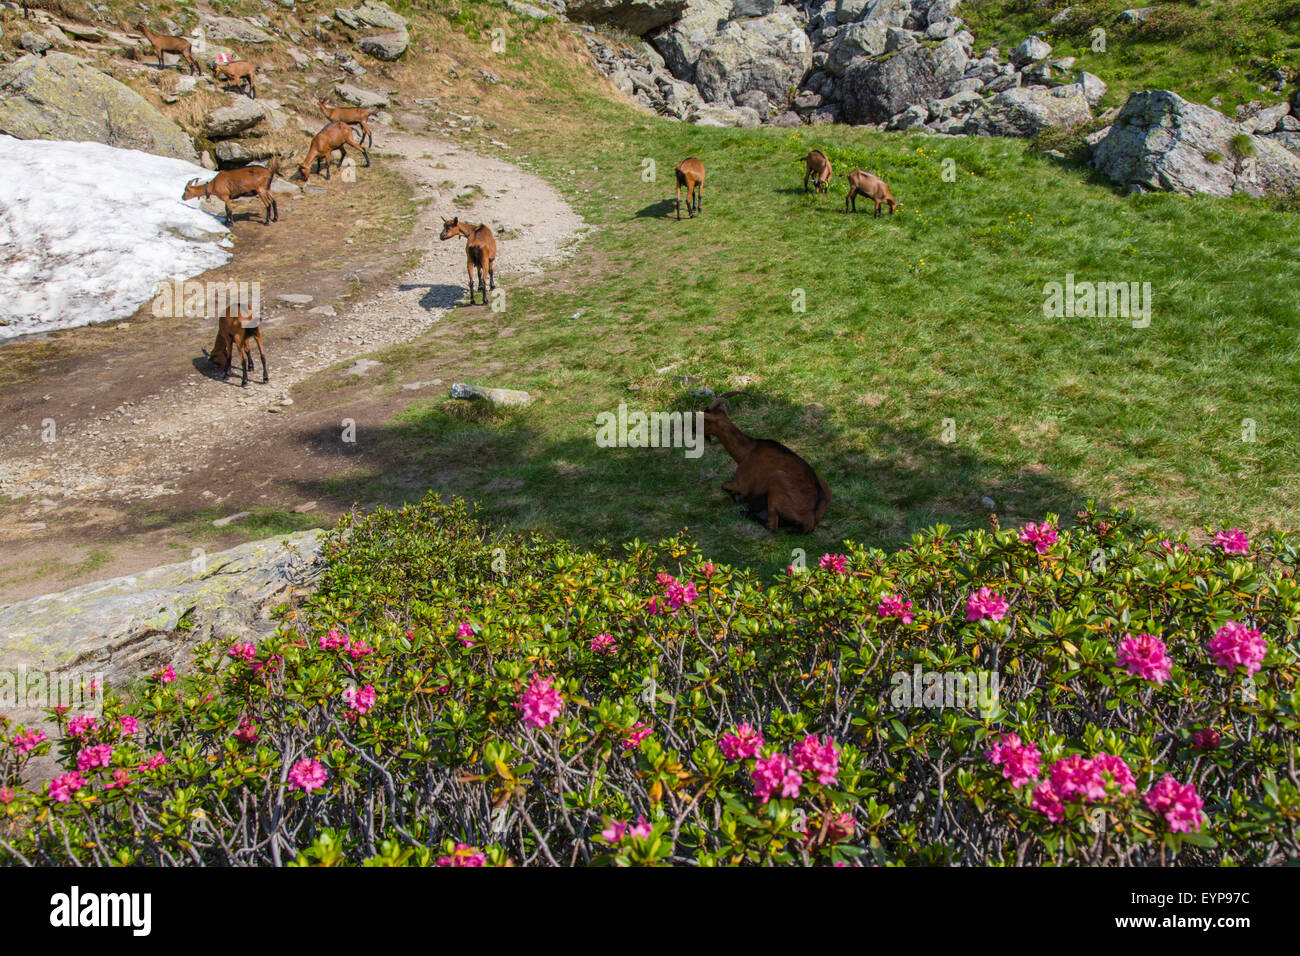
(699, 197)
(265, 196)
(679, 202)
(806, 174)
(773, 518)
(492, 272)
(245, 360)
(469, 269)
(878, 205)
(262, 353)
(230, 214)
(365, 154)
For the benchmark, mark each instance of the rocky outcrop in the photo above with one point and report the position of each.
(233, 30)
(1160, 141)
(373, 15)
(769, 54)
(875, 89)
(1028, 111)
(682, 43)
(637, 17)
(385, 46)
(240, 114)
(58, 96)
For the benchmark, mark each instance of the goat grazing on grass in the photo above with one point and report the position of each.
(352, 115)
(239, 72)
(862, 183)
(232, 183)
(817, 168)
(334, 136)
(690, 173)
(774, 483)
(237, 330)
(480, 252)
(165, 44)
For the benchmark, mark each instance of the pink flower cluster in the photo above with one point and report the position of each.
(1233, 542)
(986, 603)
(154, 762)
(618, 829)
(307, 775)
(1144, 656)
(1206, 739)
(97, 756)
(1041, 536)
(333, 641)
(27, 742)
(463, 855)
(604, 644)
(128, 724)
(1177, 802)
(893, 605)
(822, 759)
(1236, 645)
(62, 788)
(121, 779)
(540, 702)
(676, 595)
(247, 732)
(638, 733)
(243, 652)
(360, 699)
(1169, 546)
(165, 675)
(1078, 779)
(80, 726)
(785, 774)
(1019, 761)
(775, 773)
(740, 744)
(834, 562)
(465, 632)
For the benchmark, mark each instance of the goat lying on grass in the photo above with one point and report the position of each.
(690, 173)
(164, 44)
(334, 136)
(774, 483)
(817, 168)
(862, 183)
(239, 72)
(232, 183)
(480, 252)
(352, 115)
(237, 330)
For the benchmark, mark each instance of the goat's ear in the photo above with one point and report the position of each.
(456, 221)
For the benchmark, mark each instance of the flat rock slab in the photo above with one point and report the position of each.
(497, 396)
(363, 366)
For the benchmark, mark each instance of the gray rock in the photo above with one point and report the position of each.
(385, 46)
(236, 31)
(913, 117)
(1027, 112)
(1266, 119)
(35, 43)
(788, 119)
(238, 152)
(361, 97)
(1160, 141)
(958, 103)
(876, 89)
(371, 14)
(824, 116)
(942, 29)
(58, 96)
(1031, 50)
(239, 114)
(1093, 88)
(711, 115)
(528, 10)
(742, 9)
(770, 54)
(682, 42)
(1287, 139)
(756, 100)
(497, 396)
(1138, 14)
(896, 38)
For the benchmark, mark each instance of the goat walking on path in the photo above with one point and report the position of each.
(480, 252)
(232, 183)
(238, 72)
(862, 183)
(237, 330)
(352, 115)
(773, 482)
(817, 168)
(690, 173)
(164, 44)
(334, 136)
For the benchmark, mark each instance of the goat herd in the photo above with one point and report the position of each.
(775, 485)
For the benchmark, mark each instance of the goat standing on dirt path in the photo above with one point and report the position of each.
(164, 44)
(690, 173)
(817, 168)
(773, 482)
(239, 72)
(237, 330)
(334, 136)
(862, 183)
(232, 183)
(480, 252)
(352, 115)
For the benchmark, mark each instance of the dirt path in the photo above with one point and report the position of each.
(135, 445)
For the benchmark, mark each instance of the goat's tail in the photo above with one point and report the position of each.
(274, 166)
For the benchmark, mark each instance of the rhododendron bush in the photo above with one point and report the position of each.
(457, 697)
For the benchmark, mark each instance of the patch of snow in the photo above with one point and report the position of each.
(89, 231)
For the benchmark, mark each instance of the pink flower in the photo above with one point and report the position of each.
(1120, 774)
(1234, 644)
(247, 732)
(153, 763)
(1206, 739)
(128, 724)
(243, 652)
(1047, 800)
(618, 829)
(540, 703)
(1178, 803)
(332, 641)
(1144, 656)
(679, 595)
(708, 568)
(894, 606)
(1075, 778)
(835, 562)
(358, 651)
(121, 779)
(1169, 546)
(465, 632)
(604, 644)
(815, 757)
(463, 855)
(638, 733)
(165, 675)
(80, 726)
(773, 773)
(1233, 542)
(62, 788)
(1041, 536)
(97, 756)
(7, 795)
(27, 742)
(307, 775)
(360, 700)
(986, 603)
(744, 742)
(1019, 762)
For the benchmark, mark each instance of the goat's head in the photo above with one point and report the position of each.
(450, 227)
(304, 170)
(717, 416)
(192, 188)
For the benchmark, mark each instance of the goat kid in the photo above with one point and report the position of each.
(773, 482)
(334, 136)
(862, 183)
(352, 115)
(817, 168)
(237, 330)
(164, 44)
(480, 252)
(690, 173)
(232, 183)
(239, 72)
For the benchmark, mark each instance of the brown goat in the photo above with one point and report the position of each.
(352, 115)
(239, 72)
(232, 183)
(773, 482)
(690, 173)
(164, 44)
(862, 183)
(817, 168)
(237, 330)
(480, 252)
(334, 136)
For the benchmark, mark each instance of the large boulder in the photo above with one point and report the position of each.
(385, 46)
(1028, 110)
(239, 114)
(637, 17)
(682, 42)
(770, 54)
(230, 29)
(371, 14)
(868, 37)
(1160, 141)
(58, 96)
(878, 88)
(358, 96)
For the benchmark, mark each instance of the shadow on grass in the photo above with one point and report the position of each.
(663, 209)
(525, 477)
